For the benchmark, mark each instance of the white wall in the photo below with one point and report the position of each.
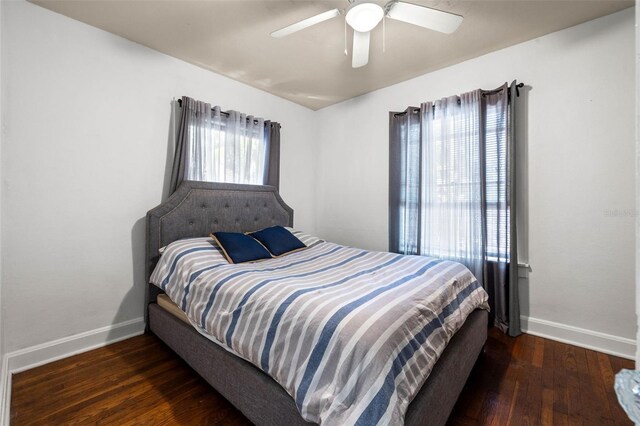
(577, 139)
(637, 156)
(87, 122)
(2, 63)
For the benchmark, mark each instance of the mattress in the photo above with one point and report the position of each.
(350, 334)
(167, 304)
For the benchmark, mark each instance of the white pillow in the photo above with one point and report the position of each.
(200, 241)
(307, 240)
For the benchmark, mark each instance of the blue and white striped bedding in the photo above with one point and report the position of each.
(350, 334)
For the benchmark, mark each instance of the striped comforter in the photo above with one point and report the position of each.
(350, 334)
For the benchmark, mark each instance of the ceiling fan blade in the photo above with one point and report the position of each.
(360, 54)
(426, 17)
(301, 25)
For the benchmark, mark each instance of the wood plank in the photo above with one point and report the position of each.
(560, 393)
(594, 402)
(525, 381)
(574, 404)
(546, 416)
(538, 353)
(529, 402)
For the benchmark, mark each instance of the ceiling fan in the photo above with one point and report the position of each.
(363, 16)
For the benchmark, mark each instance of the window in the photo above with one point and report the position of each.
(457, 186)
(229, 152)
(231, 147)
(498, 209)
(449, 196)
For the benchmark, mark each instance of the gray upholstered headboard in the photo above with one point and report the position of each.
(197, 209)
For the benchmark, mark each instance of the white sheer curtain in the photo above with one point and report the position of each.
(201, 141)
(451, 175)
(213, 146)
(227, 148)
(241, 150)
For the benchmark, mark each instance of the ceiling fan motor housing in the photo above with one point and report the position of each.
(363, 16)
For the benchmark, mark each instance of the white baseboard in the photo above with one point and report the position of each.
(34, 356)
(594, 340)
(45, 353)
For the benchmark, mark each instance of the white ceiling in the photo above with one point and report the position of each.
(309, 67)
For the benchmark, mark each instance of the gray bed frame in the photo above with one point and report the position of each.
(199, 208)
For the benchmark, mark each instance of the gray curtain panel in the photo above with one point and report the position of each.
(189, 113)
(452, 190)
(217, 146)
(404, 181)
(513, 315)
(272, 169)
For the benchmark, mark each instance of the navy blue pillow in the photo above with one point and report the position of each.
(239, 248)
(278, 240)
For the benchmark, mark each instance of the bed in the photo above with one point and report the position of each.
(197, 209)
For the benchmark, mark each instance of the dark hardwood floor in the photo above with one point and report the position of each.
(521, 381)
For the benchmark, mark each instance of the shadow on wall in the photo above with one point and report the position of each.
(134, 302)
(133, 299)
(522, 184)
(136, 298)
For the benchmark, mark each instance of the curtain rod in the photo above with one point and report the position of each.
(499, 89)
(227, 114)
(484, 93)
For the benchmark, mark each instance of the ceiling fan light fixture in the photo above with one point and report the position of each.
(364, 17)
